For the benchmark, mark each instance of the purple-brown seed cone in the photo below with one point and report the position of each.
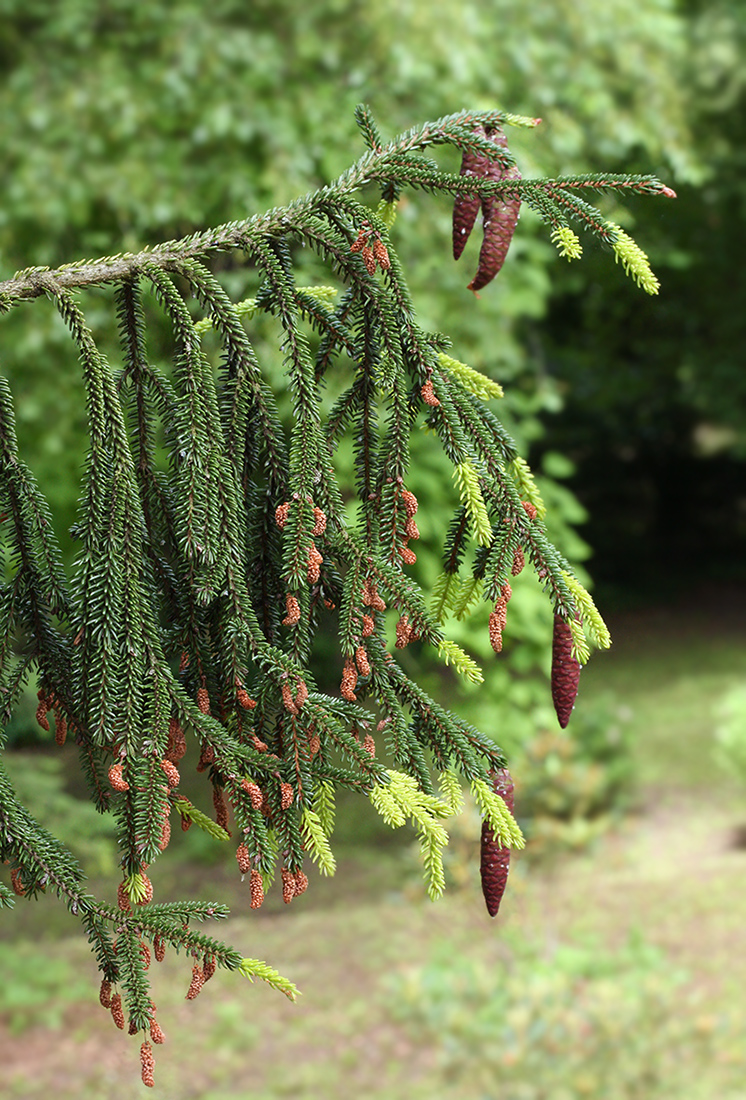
(499, 218)
(466, 207)
(565, 671)
(494, 858)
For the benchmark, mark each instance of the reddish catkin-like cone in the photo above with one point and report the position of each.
(176, 741)
(281, 514)
(104, 994)
(209, 966)
(409, 500)
(314, 565)
(403, 632)
(198, 980)
(41, 713)
(156, 1031)
(159, 949)
(203, 700)
(117, 1012)
(288, 885)
(287, 795)
(494, 859)
(243, 859)
(428, 394)
(172, 773)
(301, 694)
(565, 671)
(60, 726)
(381, 254)
(165, 830)
(254, 792)
(221, 807)
(116, 779)
(466, 207)
(293, 611)
(147, 1062)
(499, 217)
(123, 898)
(256, 889)
(349, 681)
(361, 660)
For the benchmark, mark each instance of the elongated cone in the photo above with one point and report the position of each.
(466, 207)
(494, 859)
(565, 671)
(499, 218)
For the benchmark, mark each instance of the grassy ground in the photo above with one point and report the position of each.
(625, 965)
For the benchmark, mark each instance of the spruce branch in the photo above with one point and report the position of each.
(215, 540)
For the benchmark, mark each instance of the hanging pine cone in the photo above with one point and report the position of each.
(494, 859)
(466, 207)
(499, 218)
(565, 671)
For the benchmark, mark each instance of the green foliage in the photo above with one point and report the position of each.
(574, 1023)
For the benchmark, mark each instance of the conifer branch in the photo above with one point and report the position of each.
(213, 537)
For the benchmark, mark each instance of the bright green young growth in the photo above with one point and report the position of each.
(136, 888)
(325, 808)
(527, 487)
(493, 809)
(594, 628)
(467, 480)
(255, 968)
(190, 811)
(635, 261)
(466, 666)
(580, 649)
(521, 120)
(402, 798)
(316, 842)
(451, 792)
(567, 243)
(472, 380)
(387, 212)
